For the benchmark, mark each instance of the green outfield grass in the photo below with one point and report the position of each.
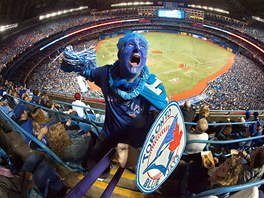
(179, 61)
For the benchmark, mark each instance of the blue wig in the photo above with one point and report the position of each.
(127, 36)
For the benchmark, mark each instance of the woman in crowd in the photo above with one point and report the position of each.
(70, 145)
(40, 124)
(227, 173)
(203, 113)
(253, 169)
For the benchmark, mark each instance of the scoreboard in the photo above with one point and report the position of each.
(178, 14)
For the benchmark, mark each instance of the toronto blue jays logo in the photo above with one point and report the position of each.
(162, 149)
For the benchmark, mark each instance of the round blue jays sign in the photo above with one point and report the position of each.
(162, 149)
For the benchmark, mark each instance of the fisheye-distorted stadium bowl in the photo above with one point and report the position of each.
(184, 64)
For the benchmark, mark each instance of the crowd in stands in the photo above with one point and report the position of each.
(35, 173)
(254, 31)
(240, 88)
(28, 175)
(18, 43)
(38, 121)
(26, 38)
(200, 169)
(239, 164)
(72, 144)
(47, 76)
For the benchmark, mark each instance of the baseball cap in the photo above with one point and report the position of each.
(77, 96)
(248, 114)
(19, 109)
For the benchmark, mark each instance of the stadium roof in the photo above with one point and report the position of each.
(20, 10)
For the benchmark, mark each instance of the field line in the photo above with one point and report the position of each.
(192, 57)
(173, 70)
(186, 74)
(170, 59)
(212, 61)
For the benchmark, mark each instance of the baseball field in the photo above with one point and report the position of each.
(184, 64)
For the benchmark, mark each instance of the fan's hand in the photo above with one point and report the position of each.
(80, 62)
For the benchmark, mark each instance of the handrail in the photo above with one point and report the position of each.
(43, 147)
(234, 188)
(108, 191)
(224, 141)
(84, 185)
(87, 116)
(85, 107)
(223, 123)
(70, 94)
(230, 110)
(61, 113)
(223, 190)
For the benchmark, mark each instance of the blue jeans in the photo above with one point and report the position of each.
(43, 175)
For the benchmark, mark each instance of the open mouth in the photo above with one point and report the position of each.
(135, 59)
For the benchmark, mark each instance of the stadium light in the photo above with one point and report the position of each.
(8, 27)
(258, 19)
(136, 3)
(208, 8)
(60, 12)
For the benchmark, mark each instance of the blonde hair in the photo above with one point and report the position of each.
(38, 117)
(204, 111)
(58, 139)
(235, 167)
(201, 126)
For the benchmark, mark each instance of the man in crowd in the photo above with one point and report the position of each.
(188, 113)
(133, 96)
(78, 101)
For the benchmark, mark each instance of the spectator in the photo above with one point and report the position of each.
(35, 174)
(22, 119)
(198, 134)
(10, 99)
(70, 145)
(27, 98)
(15, 96)
(131, 106)
(51, 105)
(226, 134)
(253, 169)
(78, 101)
(203, 113)
(201, 178)
(227, 174)
(188, 113)
(4, 107)
(36, 96)
(40, 124)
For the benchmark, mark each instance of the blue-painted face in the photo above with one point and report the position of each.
(132, 55)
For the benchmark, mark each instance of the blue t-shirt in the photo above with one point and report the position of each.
(28, 126)
(127, 122)
(5, 109)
